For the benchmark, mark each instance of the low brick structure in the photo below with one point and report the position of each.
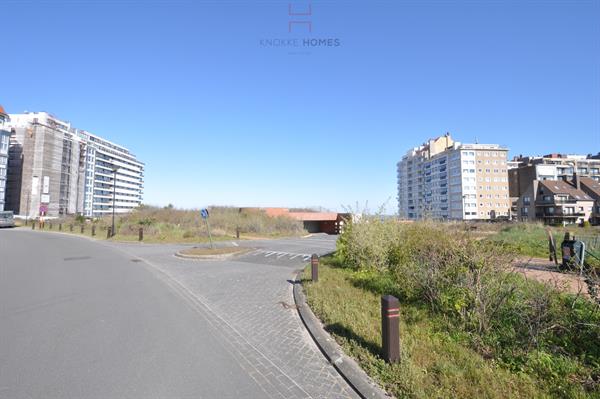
(314, 222)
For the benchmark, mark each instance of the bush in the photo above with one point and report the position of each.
(470, 284)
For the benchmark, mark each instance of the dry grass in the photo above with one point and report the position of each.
(183, 225)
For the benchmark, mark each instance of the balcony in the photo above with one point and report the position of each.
(544, 214)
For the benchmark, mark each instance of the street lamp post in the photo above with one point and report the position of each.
(114, 169)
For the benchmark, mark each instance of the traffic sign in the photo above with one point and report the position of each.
(204, 213)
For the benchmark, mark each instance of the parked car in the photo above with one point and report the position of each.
(7, 219)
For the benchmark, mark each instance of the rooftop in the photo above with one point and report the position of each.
(591, 184)
(563, 187)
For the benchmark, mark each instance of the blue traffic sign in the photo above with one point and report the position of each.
(204, 213)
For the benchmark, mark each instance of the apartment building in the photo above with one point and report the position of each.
(4, 140)
(104, 162)
(445, 179)
(551, 167)
(56, 169)
(524, 183)
(592, 188)
(555, 202)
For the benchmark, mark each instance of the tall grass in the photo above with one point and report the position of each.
(171, 224)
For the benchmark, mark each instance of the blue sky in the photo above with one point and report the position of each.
(221, 118)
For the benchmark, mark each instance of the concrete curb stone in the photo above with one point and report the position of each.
(346, 366)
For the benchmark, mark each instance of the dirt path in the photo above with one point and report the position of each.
(546, 272)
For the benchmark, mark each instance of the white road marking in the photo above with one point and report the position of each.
(269, 254)
(235, 244)
(295, 256)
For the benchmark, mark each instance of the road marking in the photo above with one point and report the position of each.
(235, 244)
(269, 254)
(282, 254)
(295, 256)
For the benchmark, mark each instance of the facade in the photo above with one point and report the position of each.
(525, 179)
(4, 141)
(55, 170)
(444, 179)
(101, 159)
(551, 167)
(592, 188)
(555, 202)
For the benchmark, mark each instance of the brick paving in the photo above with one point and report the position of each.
(249, 301)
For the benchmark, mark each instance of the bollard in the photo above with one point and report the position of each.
(314, 267)
(60, 227)
(390, 328)
(33, 225)
(82, 228)
(141, 234)
(49, 226)
(93, 230)
(108, 232)
(237, 233)
(71, 227)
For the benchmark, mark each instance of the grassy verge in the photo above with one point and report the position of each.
(435, 363)
(438, 359)
(531, 239)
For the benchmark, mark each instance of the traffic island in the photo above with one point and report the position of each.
(211, 253)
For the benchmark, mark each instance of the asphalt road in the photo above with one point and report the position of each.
(85, 319)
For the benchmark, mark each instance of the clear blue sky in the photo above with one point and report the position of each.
(220, 118)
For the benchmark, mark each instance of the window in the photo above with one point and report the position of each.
(524, 211)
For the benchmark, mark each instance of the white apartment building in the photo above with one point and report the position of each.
(4, 140)
(103, 162)
(444, 179)
(56, 169)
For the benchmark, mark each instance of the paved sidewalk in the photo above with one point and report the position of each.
(249, 299)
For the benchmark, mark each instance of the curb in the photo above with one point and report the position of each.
(346, 366)
(211, 257)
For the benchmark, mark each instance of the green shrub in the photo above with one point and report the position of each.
(470, 284)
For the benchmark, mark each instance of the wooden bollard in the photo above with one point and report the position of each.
(108, 232)
(60, 227)
(82, 228)
(141, 234)
(237, 233)
(314, 267)
(33, 225)
(93, 230)
(71, 227)
(390, 329)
